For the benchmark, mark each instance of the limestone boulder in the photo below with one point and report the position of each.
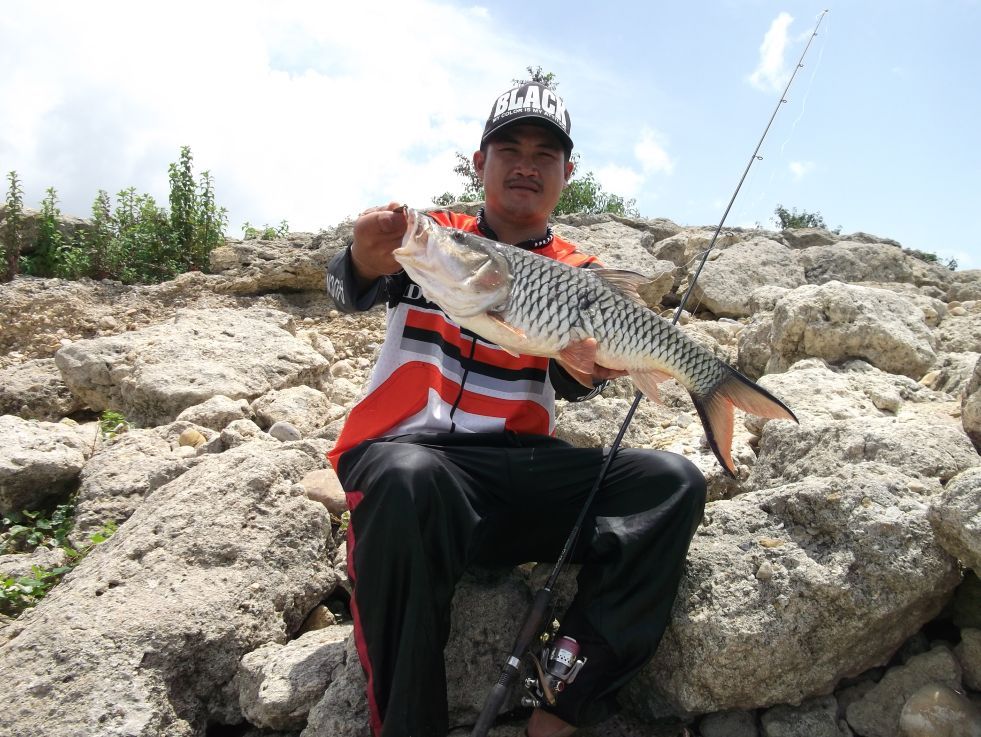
(971, 406)
(877, 714)
(728, 281)
(38, 461)
(278, 684)
(217, 413)
(964, 285)
(144, 637)
(304, 407)
(293, 262)
(800, 238)
(956, 517)
(961, 329)
(35, 390)
(838, 322)
(789, 589)
(850, 262)
(923, 448)
(151, 375)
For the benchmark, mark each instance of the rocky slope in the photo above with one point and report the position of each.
(830, 590)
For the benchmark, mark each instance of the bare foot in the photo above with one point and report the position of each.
(544, 724)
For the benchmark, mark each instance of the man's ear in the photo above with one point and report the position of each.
(570, 167)
(478, 163)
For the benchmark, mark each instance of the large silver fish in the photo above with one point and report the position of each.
(527, 303)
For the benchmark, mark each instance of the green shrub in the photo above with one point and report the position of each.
(264, 233)
(10, 238)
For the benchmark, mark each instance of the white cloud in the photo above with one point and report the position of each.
(771, 74)
(800, 168)
(620, 180)
(297, 114)
(651, 154)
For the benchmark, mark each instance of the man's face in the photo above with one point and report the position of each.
(524, 171)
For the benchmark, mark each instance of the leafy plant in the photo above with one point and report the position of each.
(788, 219)
(932, 258)
(11, 236)
(266, 232)
(25, 531)
(112, 424)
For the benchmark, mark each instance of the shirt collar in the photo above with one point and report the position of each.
(531, 244)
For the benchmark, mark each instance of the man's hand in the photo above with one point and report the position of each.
(377, 232)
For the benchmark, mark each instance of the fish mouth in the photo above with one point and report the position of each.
(416, 239)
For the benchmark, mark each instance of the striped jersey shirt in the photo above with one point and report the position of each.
(433, 375)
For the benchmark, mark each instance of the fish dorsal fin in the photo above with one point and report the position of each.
(624, 281)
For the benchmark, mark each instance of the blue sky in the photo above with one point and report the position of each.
(309, 112)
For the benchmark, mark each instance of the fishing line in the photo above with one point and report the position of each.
(535, 619)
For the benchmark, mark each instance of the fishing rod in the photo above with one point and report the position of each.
(535, 619)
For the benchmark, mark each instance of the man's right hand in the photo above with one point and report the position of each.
(377, 232)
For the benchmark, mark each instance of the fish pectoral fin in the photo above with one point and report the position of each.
(518, 333)
(647, 382)
(580, 355)
(624, 281)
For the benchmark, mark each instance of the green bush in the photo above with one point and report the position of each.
(788, 219)
(139, 242)
(11, 236)
(264, 233)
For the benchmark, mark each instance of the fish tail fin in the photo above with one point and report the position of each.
(715, 411)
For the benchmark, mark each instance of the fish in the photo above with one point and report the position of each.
(530, 304)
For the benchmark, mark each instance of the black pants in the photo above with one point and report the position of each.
(425, 506)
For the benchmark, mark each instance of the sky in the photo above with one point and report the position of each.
(310, 112)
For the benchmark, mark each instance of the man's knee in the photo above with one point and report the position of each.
(399, 475)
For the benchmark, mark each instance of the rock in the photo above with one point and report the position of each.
(151, 375)
(968, 653)
(813, 718)
(343, 710)
(727, 282)
(216, 413)
(809, 237)
(255, 266)
(323, 486)
(226, 558)
(753, 345)
(852, 262)
(38, 461)
(284, 432)
(729, 724)
(838, 322)
(192, 438)
(240, 432)
(683, 248)
(877, 714)
(614, 242)
(966, 606)
(920, 448)
(960, 333)
(935, 710)
(952, 373)
(278, 684)
(971, 407)
(15, 565)
(303, 407)
(956, 517)
(320, 618)
(122, 472)
(34, 390)
(856, 572)
(964, 285)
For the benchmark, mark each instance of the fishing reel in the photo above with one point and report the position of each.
(559, 665)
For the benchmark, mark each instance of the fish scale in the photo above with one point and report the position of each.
(530, 304)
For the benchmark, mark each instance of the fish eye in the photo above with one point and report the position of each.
(458, 236)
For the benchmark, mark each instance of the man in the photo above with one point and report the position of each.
(449, 460)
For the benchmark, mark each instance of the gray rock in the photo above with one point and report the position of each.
(303, 407)
(217, 412)
(145, 635)
(956, 517)
(952, 372)
(284, 432)
(278, 684)
(813, 718)
(938, 711)
(727, 282)
(686, 247)
(343, 710)
(615, 243)
(240, 432)
(838, 322)
(852, 262)
(968, 653)
(152, 375)
(960, 333)
(919, 447)
(256, 266)
(122, 472)
(877, 714)
(855, 572)
(964, 285)
(38, 461)
(753, 345)
(34, 390)
(971, 407)
(729, 724)
(809, 237)
(16, 565)
(324, 487)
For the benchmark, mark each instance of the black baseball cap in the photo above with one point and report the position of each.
(530, 103)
